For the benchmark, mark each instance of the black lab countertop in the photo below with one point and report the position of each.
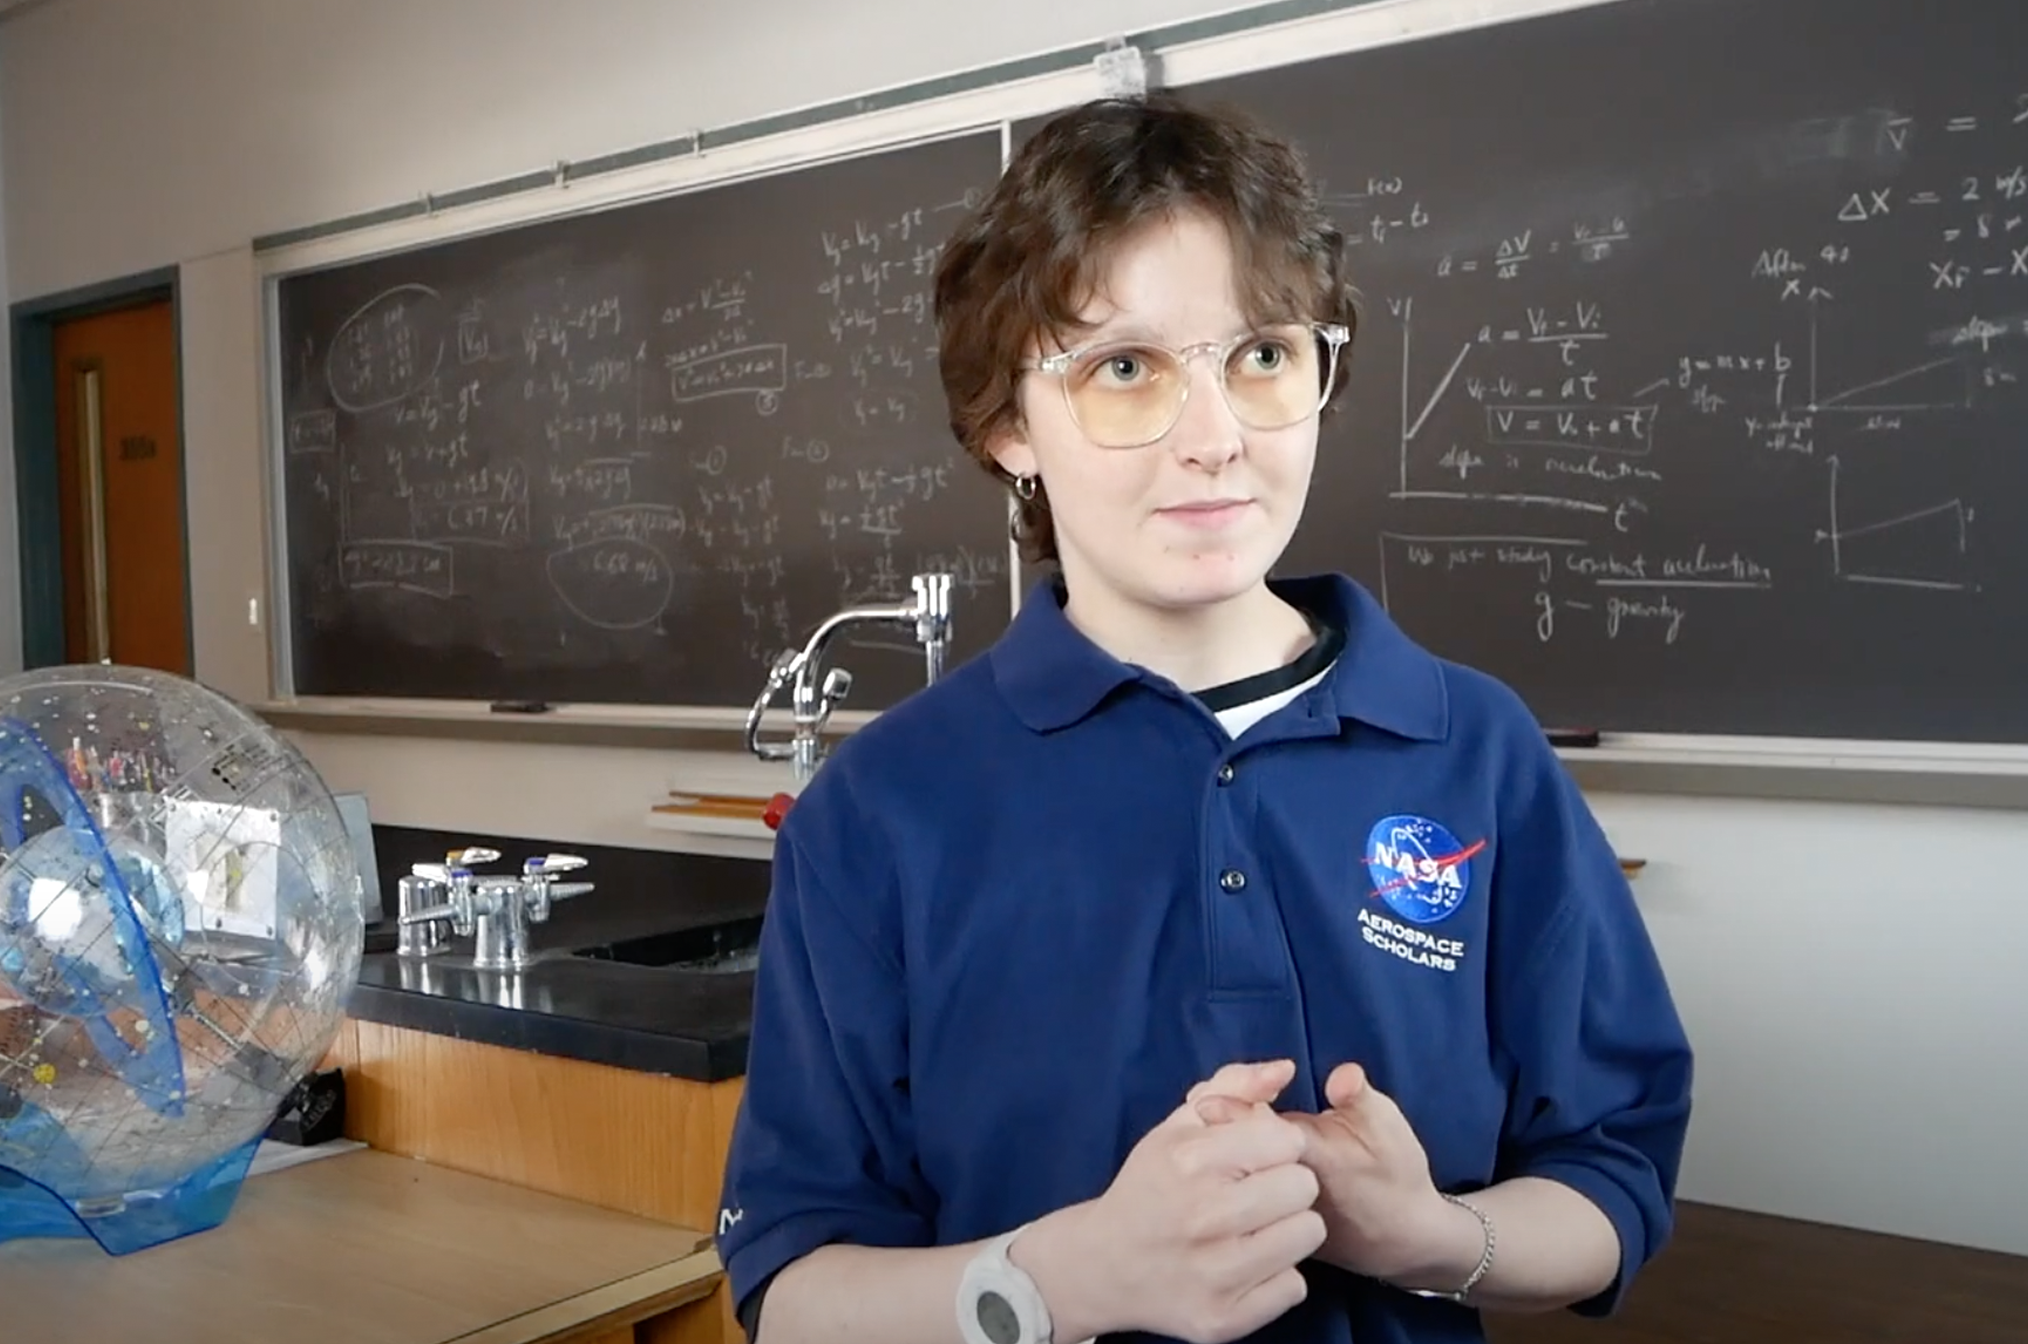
(688, 1019)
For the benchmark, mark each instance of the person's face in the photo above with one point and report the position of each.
(1198, 516)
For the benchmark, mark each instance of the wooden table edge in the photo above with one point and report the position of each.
(608, 1307)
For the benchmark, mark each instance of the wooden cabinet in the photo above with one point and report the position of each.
(637, 1143)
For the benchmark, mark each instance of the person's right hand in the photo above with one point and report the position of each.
(1200, 1233)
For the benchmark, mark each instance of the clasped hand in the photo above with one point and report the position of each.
(1382, 1214)
(1201, 1234)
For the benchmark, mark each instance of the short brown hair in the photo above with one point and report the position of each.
(1023, 266)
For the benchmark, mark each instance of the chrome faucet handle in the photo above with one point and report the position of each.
(543, 864)
(456, 869)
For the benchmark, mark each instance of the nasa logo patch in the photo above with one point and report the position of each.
(1418, 867)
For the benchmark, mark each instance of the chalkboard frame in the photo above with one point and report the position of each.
(1181, 55)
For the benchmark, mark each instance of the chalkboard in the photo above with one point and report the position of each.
(626, 456)
(1689, 391)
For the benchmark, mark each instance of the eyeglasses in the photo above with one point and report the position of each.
(1128, 394)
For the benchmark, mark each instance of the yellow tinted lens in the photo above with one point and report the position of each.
(1124, 394)
(1273, 378)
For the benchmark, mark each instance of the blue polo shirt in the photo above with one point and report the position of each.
(1018, 915)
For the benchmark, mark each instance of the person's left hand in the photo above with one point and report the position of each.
(1382, 1214)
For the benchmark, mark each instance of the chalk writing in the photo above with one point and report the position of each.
(1539, 406)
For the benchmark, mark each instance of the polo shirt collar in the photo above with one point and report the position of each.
(1052, 675)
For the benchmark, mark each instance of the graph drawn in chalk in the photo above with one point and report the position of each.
(1942, 384)
(1405, 310)
(1922, 548)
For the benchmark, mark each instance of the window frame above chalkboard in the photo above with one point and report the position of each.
(1243, 42)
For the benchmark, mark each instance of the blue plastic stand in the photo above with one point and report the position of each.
(199, 1202)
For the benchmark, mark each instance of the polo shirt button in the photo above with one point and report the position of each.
(1225, 773)
(1232, 879)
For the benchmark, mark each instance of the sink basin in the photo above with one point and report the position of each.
(714, 949)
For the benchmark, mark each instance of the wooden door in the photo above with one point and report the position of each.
(120, 482)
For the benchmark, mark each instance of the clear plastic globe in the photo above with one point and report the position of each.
(180, 927)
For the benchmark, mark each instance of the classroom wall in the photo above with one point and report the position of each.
(1849, 972)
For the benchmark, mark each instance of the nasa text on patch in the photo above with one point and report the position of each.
(1422, 873)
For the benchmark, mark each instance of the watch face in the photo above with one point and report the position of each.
(997, 1319)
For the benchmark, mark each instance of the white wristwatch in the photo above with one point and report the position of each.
(997, 1302)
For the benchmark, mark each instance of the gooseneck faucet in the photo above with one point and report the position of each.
(815, 692)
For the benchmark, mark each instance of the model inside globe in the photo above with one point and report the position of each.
(180, 925)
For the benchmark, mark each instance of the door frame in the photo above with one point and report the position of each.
(37, 499)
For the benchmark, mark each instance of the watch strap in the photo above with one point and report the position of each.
(998, 1303)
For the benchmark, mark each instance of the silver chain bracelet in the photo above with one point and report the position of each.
(1485, 1255)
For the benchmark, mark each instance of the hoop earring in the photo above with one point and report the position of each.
(1024, 488)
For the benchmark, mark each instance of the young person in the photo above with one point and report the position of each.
(1206, 960)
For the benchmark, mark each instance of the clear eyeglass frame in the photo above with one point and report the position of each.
(1333, 335)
